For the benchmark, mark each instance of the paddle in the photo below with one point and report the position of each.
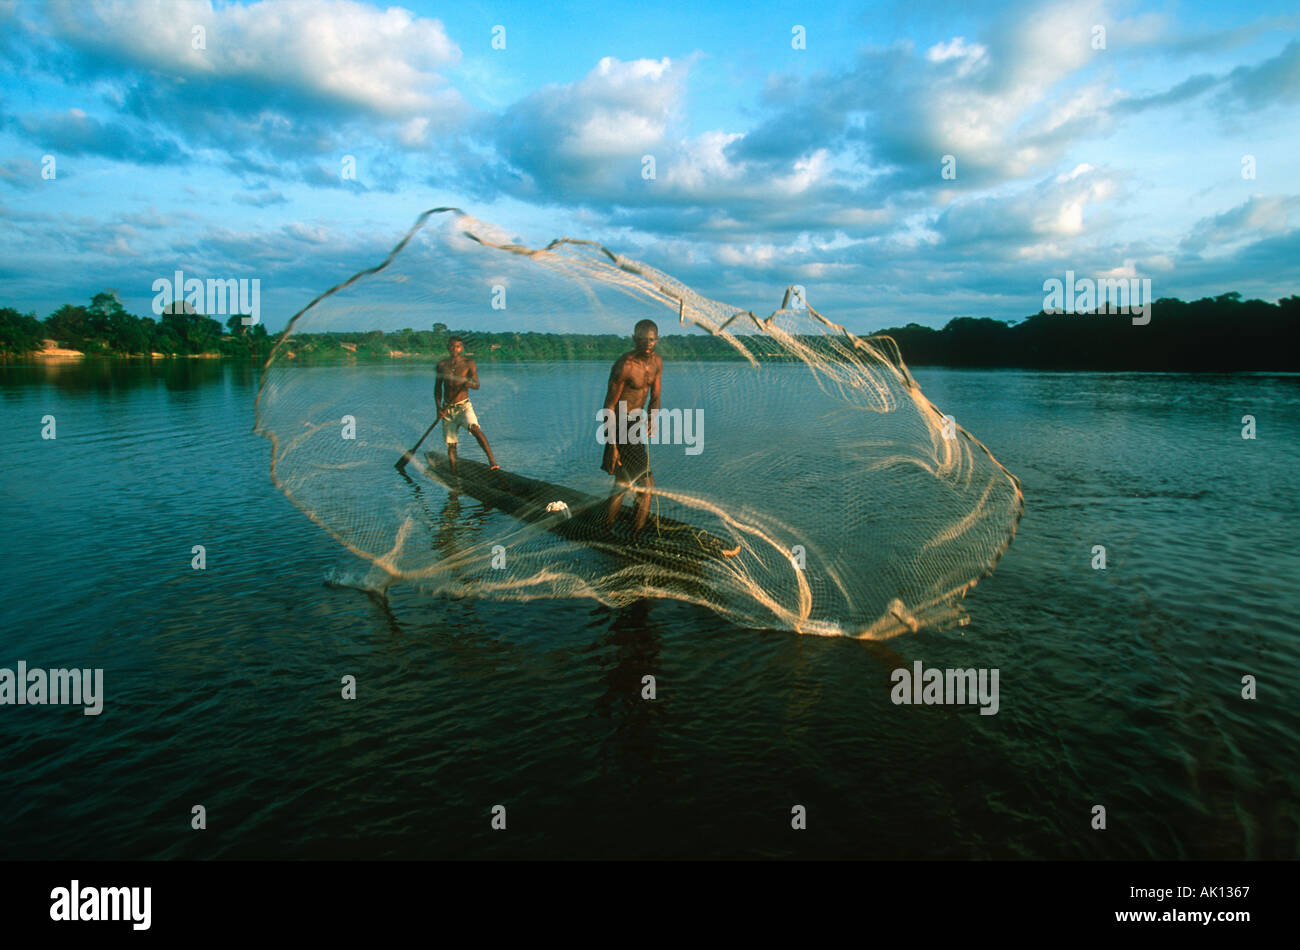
(401, 463)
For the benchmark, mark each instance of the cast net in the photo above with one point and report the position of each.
(802, 480)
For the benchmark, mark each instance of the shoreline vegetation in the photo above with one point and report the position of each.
(1214, 334)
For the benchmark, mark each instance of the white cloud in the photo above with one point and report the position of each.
(336, 51)
(1033, 218)
(970, 56)
(1258, 216)
(703, 163)
(1126, 270)
(591, 135)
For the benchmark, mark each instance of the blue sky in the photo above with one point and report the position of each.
(818, 166)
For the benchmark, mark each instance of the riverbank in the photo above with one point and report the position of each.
(62, 353)
(53, 351)
(1178, 337)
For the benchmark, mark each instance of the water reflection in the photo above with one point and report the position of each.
(123, 375)
(455, 531)
(631, 650)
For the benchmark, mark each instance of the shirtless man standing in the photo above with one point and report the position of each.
(456, 376)
(634, 376)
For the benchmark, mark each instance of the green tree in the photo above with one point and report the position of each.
(19, 332)
(103, 310)
(127, 334)
(68, 326)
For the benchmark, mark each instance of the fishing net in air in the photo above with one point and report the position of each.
(802, 480)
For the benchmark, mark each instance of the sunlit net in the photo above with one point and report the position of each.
(857, 508)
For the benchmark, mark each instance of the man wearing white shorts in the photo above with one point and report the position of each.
(456, 377)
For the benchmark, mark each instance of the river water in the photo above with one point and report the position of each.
(1119, 687)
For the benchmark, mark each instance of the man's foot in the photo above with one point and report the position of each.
(494, 467)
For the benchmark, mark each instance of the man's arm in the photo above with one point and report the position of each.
(654, 397)
(471, 375)
(439, 385)
(617, 376)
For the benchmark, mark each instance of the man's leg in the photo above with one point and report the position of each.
(482, 440)
(643, 503)
(450, 430)
(615, 502)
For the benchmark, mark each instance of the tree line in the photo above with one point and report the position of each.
(105, 328)
(1221, 333)
(1214, 334)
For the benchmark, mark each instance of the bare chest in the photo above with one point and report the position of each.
(639, 375)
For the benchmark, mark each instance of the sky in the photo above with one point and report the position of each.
(903, 162)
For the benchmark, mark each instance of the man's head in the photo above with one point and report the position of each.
(645, 335)
(455, 346)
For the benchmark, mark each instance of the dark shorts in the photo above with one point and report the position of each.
(633, 463)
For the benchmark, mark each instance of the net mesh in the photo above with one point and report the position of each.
(802, 481)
